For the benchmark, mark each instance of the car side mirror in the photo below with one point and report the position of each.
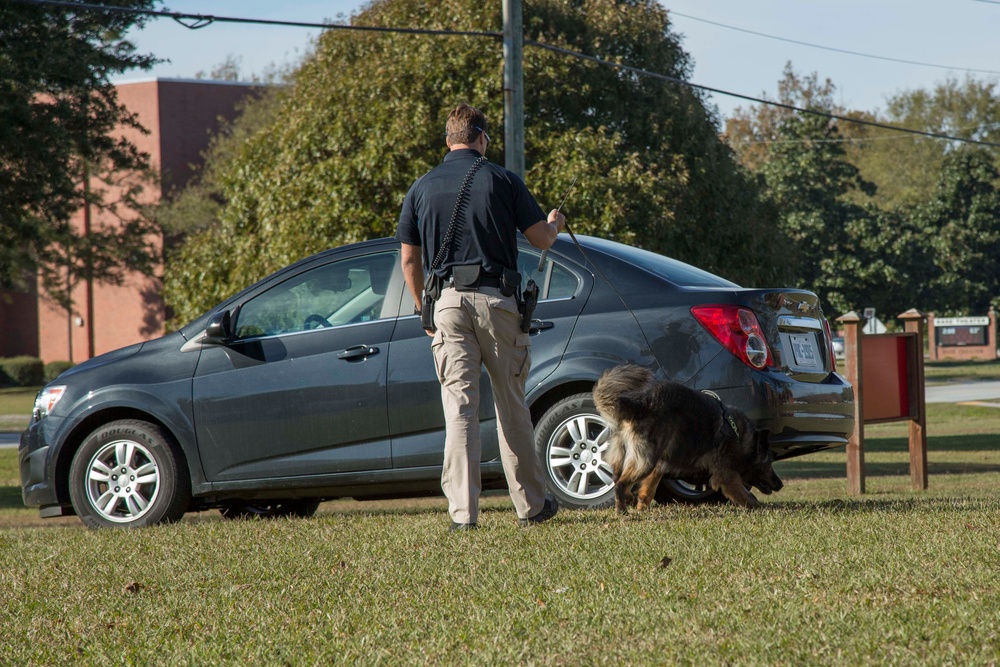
(219, 330)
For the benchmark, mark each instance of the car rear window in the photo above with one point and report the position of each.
(673, 270)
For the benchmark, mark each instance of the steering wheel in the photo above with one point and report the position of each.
(316, 319)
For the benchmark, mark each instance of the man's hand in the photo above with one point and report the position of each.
(558, 219)
(543, 233)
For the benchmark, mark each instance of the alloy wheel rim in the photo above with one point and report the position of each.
(690, 490)
(123, 481)
(575, 455)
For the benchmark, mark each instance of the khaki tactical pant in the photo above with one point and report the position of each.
(476, 329)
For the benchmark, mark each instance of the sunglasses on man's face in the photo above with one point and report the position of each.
(481, 130)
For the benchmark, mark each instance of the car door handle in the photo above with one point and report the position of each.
(357, 352)
(538, 325)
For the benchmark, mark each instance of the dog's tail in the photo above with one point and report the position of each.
(613, 384)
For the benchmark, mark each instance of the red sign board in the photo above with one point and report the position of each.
(886, 376)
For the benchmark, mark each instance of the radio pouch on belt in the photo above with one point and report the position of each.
(434, 283)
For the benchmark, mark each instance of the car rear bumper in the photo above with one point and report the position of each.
(800, 417)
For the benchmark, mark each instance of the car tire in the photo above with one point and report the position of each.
(680, 491)
(270, 510)
(570, 440)
(129, 474)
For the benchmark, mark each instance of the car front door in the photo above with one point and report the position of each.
(300, 387)
(416, 419)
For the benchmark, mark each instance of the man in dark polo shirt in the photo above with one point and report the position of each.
(477, 324)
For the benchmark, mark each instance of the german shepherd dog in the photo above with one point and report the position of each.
(663, 428)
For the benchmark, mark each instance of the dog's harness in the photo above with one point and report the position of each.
(727, 421)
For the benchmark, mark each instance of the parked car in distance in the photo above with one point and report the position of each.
(318, 383)
(838, 347)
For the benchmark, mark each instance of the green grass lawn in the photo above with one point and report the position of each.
(15, 408)
(894, 577)
(961, 371)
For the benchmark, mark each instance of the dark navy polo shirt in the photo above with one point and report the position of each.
(499, 206)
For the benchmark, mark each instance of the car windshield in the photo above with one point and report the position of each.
(675, 271)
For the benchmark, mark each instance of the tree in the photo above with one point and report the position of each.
(364, 116)
(906, 168)
(964, 222)
(884, 260)
(809, 180)
(58, 114)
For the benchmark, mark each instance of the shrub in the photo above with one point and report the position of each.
(54, 368)
(22, 371)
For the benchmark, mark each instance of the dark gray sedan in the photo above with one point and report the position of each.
(318, 383)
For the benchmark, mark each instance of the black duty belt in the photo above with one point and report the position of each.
(484, 281)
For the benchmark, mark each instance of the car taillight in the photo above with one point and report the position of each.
(829, 344)
(739, 332)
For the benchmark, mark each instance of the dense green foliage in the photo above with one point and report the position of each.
(21, 371)
(364, 117)
(931, 242)
(861, 215)
(59, 115)
(906, 167)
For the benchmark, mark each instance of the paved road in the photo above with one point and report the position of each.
(9, 439)
(966, 391)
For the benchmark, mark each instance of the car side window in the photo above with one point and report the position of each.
(554, 280)
(347, 291)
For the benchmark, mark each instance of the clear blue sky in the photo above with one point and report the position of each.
(949, 33)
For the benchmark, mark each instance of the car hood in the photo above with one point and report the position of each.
(101, 360)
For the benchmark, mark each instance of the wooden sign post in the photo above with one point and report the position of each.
(887, 372)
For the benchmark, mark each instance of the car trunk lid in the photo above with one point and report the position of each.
(796, 331)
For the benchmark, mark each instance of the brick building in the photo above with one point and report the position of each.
(180, 115)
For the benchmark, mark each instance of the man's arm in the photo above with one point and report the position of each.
(543, 233)
(413, 270)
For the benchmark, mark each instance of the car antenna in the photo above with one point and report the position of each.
(586, 259)
(541, 260)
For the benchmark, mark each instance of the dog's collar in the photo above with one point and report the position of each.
(727, 419)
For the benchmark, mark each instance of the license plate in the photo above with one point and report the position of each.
(804, 351)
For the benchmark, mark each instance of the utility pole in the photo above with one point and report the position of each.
(513, 87)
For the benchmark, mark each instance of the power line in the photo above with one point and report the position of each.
(202, 20)
(833, 48)
(815, 112)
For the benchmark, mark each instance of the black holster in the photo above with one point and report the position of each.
(432, 292)
(526, 305)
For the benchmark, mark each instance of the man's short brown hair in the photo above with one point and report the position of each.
(465, 124)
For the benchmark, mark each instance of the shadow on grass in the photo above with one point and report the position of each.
(854, 505)
(804, 469)
(943, 443)
(10, 498)
(811, 468)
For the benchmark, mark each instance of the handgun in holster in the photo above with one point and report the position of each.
(526, 305)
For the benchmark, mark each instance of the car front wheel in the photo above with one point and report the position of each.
(129, 474)
(570, 440)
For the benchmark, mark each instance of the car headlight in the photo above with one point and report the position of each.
(46, 401)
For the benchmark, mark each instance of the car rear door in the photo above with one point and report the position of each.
(300, 390)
